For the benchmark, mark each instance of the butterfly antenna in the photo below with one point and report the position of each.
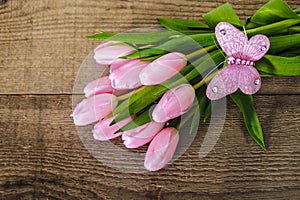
(245, 31)
(213, 69)
(218, 47)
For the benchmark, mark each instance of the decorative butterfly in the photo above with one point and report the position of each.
(242, 53)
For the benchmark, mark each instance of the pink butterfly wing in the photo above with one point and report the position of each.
(231, 40)
(249, 80)
(224, 83)
(256, 48)
(235, 44)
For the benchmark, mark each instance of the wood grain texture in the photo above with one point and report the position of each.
(42, 155)
(42, 43)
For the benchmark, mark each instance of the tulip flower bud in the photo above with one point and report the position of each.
(141, 135)
(125, 74)
(99, 86)
(93, 109)
(174, 103)
(163, 68)
(109, 52)
(103, 131)
(161, 149)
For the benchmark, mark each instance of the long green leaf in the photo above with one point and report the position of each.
(136, 38)
(138, 101)
(200, 108)
(279, 66)
(223, 13)
(181, 25)
(146, 53)
(180, 43)
(246, 105)
(281, 43)
(140, 120)
(207, 112)
(273, 11)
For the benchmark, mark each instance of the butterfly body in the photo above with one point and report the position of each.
(242, 53)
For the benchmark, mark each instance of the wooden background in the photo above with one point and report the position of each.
(41, 154)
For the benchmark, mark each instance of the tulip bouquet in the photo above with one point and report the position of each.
(157, 80)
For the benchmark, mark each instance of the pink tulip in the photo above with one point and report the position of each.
(125, 74)
(109, 52)
(93, 109)
(161, 149)
(99, 86)
(162, 68)
(103, 131)
(141, 135)
(174, 103)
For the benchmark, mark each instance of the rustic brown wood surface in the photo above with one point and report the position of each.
(41, 154)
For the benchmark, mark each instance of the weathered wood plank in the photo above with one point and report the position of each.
(41, 156)
(42, 44)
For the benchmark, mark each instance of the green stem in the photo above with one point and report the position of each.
(186, 118)
(203, 81)
(129, 94)
(200, 52)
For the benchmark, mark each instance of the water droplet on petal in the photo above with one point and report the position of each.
(257, 82)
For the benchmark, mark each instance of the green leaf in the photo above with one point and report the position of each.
(140, 120)
(101, 36)
(207, 112)
(146, 53)
(138, 101)
(195, 120)
(181, 25)
(297, 11)
(200, 107)
(274, 27)
(207, 62)
(281, 43)
(136, 38)
(290, 52)
(246, 105)
(279, 66)
(223, 13)
(273, 11)
(204, 39)
(150, 59)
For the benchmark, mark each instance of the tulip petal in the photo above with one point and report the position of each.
(109, 52)
(174, 103)
(163, 68)
(93, 109)
(103, 131)
(125, 75)
(98, 86)
(161, 149)
(141, 135)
